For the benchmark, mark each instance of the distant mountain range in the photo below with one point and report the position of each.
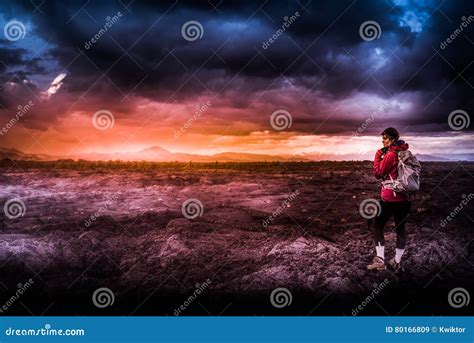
(158, 154)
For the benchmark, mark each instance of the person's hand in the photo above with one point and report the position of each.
(378, 154)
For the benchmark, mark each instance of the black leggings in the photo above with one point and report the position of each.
(400, 211)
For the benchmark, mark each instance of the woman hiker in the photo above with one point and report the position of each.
(391, 203)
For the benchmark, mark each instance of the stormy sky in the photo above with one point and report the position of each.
(251, 76)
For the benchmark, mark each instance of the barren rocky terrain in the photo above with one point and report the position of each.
(261, 227)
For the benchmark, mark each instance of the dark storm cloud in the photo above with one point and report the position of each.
(144, 56)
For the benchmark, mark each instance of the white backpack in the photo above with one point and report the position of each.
(409, 170)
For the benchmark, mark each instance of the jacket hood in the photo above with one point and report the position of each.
(398, 146)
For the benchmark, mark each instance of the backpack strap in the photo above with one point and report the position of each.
(395, 166)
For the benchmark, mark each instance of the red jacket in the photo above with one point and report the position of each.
(386, 164)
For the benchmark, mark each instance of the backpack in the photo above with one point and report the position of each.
(409, 170)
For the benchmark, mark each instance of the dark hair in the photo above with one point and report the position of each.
(391, 133)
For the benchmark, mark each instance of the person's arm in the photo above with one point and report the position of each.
(382, 165)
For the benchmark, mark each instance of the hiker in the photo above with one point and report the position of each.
(396, 204)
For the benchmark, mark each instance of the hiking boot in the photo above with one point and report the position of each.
(394, 266)
(377, 264)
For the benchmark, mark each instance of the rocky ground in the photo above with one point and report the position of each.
(262, 227)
